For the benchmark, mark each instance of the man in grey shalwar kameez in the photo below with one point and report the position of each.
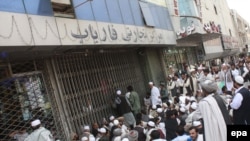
(208, 109)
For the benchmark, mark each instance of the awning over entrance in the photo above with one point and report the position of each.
(196, 38)
(223, 54)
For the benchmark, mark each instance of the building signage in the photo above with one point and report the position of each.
(185, 31)
(230, 42)
(212, 28)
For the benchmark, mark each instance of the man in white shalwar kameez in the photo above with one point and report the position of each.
(155, 95)
(214, 124)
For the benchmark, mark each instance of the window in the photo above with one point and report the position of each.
(127, 15)
(147, 14)
(100, 10)
(84, 11)
(215, 10)
(63, 8)
(114, 11)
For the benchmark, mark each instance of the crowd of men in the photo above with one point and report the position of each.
(196, 104)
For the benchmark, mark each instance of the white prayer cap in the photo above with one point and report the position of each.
(35, 122)
(119, 92)
(192, 70)
(162, 125)
(239, 79)
(151, 124)
(86, 127)
(209, 86)
(196, 123)
(170, 101)
(102, 130)
(182, 105)
(187, 97)
(111, 118)
(182, 109)
(116, 122)
(192, 98)
(200, 68)
(125, 139)
(192, 66)
(159, 110)
(194, 105)
(170, 76)
(154, 107)
(84, 139)
(170, 66)
(164, 105)
(150, 83)
(150, 116)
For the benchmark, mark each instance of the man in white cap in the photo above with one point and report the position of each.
(150, 128)
(241, 103)
(155, 94)
(40, 133)
(124, 110)
(210, 112)
(189, 119)
(86, 133)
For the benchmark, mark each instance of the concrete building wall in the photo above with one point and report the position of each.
(219, 12)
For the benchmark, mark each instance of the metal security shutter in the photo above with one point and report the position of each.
(26, 94)
(87, 83)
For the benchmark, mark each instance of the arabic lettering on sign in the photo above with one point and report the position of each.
(185, 31)
(109, 33)
(212, 28)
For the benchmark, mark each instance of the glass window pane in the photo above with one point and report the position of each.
(83, 10)
(100, 10)
(39, 7)
(135, 7)
(126, 12)
(12, 6)
(147, 14)
(114, 11)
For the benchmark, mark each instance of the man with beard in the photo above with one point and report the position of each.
(209, 111)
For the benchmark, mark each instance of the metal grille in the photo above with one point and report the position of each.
(87, 83)
(24, 96)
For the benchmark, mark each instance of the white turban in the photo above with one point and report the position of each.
(209, 86)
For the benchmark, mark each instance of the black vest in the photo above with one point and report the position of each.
(242, 115)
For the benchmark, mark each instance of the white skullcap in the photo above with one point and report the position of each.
(192, 98)
(196, 123)
(162, 125)
(118, 92)
(125, 139)
(84, 139)
(182, 109)
(150, 83)
(35, 122)
(182, 105)
(194, 105)
(200, 68)
(164, 105)
(209, 86)
(170, 66)
(192, 70)
(111, 118)
(159, 110)
(102, 130)
(187, 97)
(86, 128)
(154, 107)
(239, 79)
(170, 101)
(116, 122)
(151, 124)
(150, 116)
